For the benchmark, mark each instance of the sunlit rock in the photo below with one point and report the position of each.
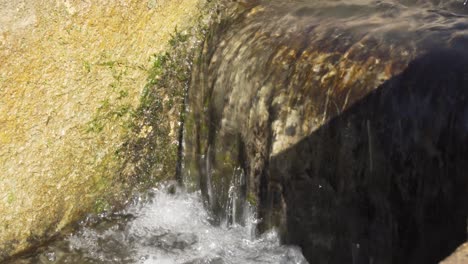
(71, 77)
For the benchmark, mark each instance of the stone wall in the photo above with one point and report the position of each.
(71, 77)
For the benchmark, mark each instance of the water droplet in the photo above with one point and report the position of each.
(50, 256)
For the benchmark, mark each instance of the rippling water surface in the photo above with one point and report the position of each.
(167, 228)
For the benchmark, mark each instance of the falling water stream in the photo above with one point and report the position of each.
(167, 226)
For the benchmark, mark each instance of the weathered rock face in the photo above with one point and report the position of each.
(385, 181)
(71, 77)
(344, 122)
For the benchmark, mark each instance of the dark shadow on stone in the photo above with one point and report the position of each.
(387, 180)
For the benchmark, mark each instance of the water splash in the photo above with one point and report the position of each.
(169, 229)
(236, 204)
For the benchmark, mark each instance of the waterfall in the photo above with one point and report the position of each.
(332, 114)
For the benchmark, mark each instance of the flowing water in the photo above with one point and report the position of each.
(167, 226)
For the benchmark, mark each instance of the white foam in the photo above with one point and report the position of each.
(175, 228)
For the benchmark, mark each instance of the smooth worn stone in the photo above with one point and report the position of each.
(348, 124)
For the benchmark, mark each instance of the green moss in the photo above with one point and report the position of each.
(177, 38)
(110, 64)
(150, 150)
(111, 113)
(149, 153)
(11, 198)
(252, 199)
(101, 205)
(87, 66)
(95, 126)
(122, 94)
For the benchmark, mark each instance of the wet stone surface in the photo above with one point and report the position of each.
(347, 120)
